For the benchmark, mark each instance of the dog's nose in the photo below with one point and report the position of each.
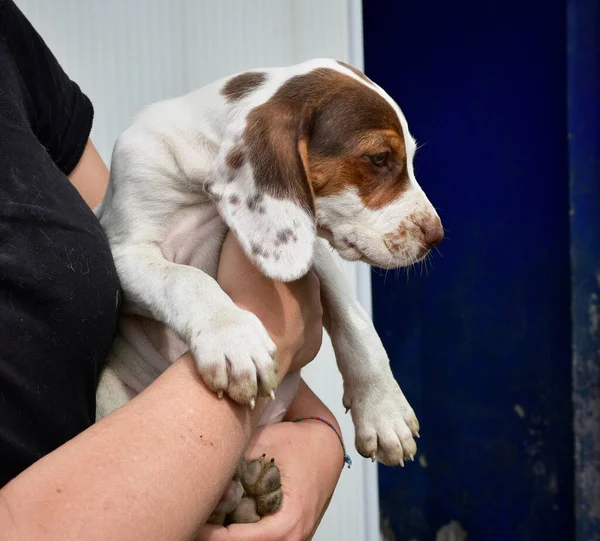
(434, 236)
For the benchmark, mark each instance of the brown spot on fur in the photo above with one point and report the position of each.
(285, 235)
(240, 86)
(254, 202)
(235, 159)
(313, 138)
(259, 251)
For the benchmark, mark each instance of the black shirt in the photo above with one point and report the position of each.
(59, 293)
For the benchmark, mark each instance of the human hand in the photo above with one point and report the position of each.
(290, 312)
(310, 459)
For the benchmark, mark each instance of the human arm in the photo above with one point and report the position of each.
(155, 468)
(90, 176)
(127, 471)
(310, 459)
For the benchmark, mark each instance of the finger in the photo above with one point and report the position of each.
(213, 532)
(267, 529)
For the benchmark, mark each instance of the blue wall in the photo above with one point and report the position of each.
(583, 23)
(482, 344)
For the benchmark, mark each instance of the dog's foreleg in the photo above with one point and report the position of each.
(385, 422)
(232, 349)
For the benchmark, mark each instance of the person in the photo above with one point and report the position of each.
(155, 468)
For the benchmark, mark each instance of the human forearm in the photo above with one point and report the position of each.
(152, 470)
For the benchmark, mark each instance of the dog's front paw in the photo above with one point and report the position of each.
(235, 355)
(261, 483)
(385, 423)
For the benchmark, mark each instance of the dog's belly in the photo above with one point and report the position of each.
(144, 348)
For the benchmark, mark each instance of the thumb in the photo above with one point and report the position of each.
(267, 529)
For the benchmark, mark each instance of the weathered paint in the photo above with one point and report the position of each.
(482, 345)
(584, 153)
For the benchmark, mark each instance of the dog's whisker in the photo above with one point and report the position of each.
(428, 263)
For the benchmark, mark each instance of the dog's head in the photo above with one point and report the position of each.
(320, 149)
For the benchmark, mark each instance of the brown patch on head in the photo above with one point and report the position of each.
(240, 86)
(376, 186)
(235, 158)
(321, 127)
(356, 71)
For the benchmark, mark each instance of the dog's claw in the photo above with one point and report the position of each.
(219, 394)
(402, 463)
(373, 456)
(411, 457)
(252, 403)
(347, 410)
(272, 395)
(417, 435)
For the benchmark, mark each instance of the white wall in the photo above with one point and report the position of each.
(128, 53)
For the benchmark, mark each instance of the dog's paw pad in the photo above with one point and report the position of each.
(230, 499)
(261, 481)
(245, 512)
(229, 502)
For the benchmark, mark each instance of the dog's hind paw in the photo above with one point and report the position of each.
(254, 492)
(262, 491)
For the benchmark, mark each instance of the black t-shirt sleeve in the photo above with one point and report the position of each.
(60, 114)
(59, 290)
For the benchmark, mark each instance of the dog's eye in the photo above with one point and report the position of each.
(380, 159)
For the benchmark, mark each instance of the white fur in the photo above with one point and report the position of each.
(166, 213)
(360, 233)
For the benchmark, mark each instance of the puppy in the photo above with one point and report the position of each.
(292, 160)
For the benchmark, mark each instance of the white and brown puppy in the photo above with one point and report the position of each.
(280, 156)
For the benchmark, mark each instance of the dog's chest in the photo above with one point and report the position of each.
(194, 237)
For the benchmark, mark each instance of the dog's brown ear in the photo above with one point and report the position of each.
(262, 190)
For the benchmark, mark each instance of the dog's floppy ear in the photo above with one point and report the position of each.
(260, 183)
